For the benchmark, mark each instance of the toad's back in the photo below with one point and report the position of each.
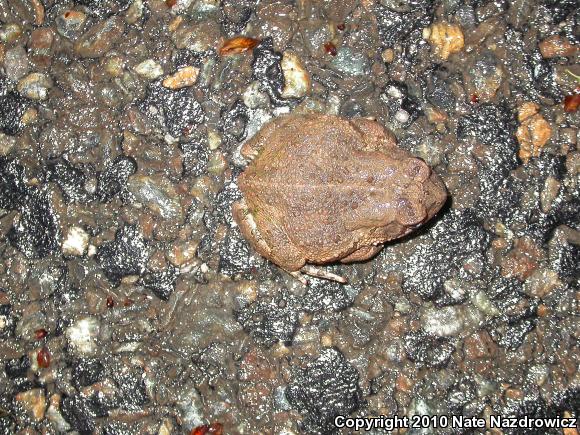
(325, 181)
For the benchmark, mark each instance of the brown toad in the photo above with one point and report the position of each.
(322, 189)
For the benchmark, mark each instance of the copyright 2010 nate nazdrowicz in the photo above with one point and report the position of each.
(452, 421)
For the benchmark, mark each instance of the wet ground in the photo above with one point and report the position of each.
(130, 303)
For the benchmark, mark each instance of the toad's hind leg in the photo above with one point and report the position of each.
(363, 253)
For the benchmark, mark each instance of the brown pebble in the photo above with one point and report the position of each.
(100, 38)
(533, 133)
(555, 46)
(522, 260)
(237, 45)
(571, 103)
(184, 77)
(41, 40)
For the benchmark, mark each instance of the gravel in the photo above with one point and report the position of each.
(131, 303)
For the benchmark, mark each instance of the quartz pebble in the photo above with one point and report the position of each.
(35, 86)
(445, 39)
(82, 336)
(76, 242)
(149, 69)
(296, 78)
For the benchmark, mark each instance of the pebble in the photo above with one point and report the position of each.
(238, 45)
(533, 133)
(445, 39)
(100, 38)
(549, 193)
(149, 69)
(34, 403)
(16, 63)
(522, 260)
(541, 283)
(158, 194)
(82, 336)
(253, 97)
(556, 46)
(482, 302)
(199, 37)
(70, 23)
(485, 77)
(115, 66)
(7, 143)
(135, 12)
(54, 416)
(10, 32)
(41, 40)
(214, 140)
(76, 242)
(350, 62)
(184, 77)
(35, 86)
(443, 322)
(296, 78)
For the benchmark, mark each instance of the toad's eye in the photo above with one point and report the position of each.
(417, 169)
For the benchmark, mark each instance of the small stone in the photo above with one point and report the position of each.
(296, 78)
(7, 143)
(402, 116)
(54, 416)
(549, 193)
(533, 133)
(199, 37)
(184, 77)
(214, 140)
(479, 345)
(556, 46)
(484, 78)
(253, 97)
(216, 164)
(41, 40)
(70, 23)
(350, 62)
(115, 66)
(445, 39)
(158, 194)
(183, 253)
(522, 260)
(237, 45)
(76, 242)
(82, 336)
(16, 63)
(388, 55)
(135, 12)
(35, 86)
(100, 38)
(149, 69)
(442, 322)
(34, 403)
(10, 33)
(541, 283)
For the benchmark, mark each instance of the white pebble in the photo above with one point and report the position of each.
(76, 242)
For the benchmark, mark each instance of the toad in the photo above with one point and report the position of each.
(321, 189)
